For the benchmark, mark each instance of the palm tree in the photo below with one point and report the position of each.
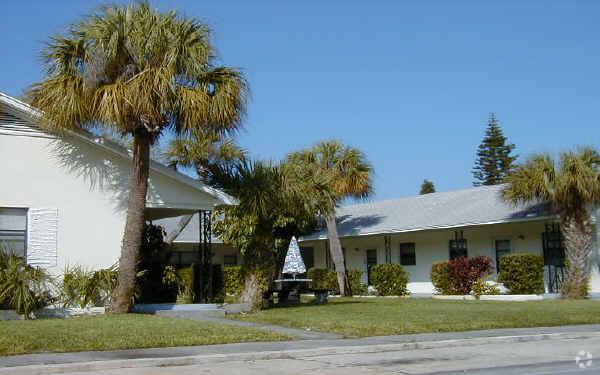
(572, 186)
(351, 176)
(274, 204)
(203, 151)
(140, 73)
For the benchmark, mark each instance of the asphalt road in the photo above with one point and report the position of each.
(537, 357)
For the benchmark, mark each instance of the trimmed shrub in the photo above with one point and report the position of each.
(320, 278)
(358, 288)
(457, 277)
(232, 280)
(441, 278)
(327, 279)
(466, 272)
(389, 279)
(522, 273)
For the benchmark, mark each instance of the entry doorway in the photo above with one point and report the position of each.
(371, 261)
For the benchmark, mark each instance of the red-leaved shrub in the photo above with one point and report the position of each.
(466, 271)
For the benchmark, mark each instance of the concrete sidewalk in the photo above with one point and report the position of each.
(300, 334)
(177, 356)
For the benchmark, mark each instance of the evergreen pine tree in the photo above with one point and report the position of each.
(494, 160)
(427, 187)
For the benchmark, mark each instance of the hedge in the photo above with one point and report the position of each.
(327, 279)
(458, 276)
(320, 278)
(522, 273)
(389, 279)
(441, 278)
(232, 280)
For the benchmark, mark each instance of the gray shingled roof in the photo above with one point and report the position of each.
(476, 206)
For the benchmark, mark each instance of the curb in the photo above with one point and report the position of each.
(284, 354)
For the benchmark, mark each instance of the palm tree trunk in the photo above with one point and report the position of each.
(253, 292)
(335, 249)
(134, 225)
(183, 222)
(577, 230)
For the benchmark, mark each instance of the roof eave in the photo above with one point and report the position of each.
(436, 227)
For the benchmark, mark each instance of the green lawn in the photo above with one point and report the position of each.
(119, 332)
(396, 316)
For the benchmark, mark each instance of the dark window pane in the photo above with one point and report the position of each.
(407, 254)
(458, 249)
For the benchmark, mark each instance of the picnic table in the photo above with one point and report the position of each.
(289, 290)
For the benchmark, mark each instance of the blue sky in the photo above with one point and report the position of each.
(411, 83)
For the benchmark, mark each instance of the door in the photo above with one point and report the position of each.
(502, 249)
(308, 256)
(371, 261)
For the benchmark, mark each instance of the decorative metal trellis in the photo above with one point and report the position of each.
(554, 257)
(388, 249)
(205, 256)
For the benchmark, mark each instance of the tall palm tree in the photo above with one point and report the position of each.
(203, 151)
(141, 73)
(351, 176)
(572, 186)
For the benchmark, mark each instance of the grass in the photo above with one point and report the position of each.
(395, 316)
(109, 332)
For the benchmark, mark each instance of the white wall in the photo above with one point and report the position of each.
(432, 246)
(88, 186)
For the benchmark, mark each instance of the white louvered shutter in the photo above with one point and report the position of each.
(42, 235)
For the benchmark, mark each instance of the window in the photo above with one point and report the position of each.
(458, 248)
(502, 249)
(13, 230)
(308, 256)
(407, 254)
(229, 260)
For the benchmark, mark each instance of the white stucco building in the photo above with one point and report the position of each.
(63, 199)
(421, 230)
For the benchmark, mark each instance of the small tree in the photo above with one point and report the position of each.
(494, 160)
(427, 187)
(572, 187)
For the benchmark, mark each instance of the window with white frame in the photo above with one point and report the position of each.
(13, 231)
